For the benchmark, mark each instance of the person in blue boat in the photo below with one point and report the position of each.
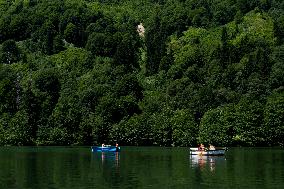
(116, 146)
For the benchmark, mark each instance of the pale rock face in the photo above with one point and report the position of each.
(141, 30)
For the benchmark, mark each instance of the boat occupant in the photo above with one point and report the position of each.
(116, 146)
(211, 147)
(103, 145)
(201, 147)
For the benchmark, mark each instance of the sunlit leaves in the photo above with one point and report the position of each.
(257, 27)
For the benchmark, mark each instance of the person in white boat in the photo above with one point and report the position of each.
(211, 147)
(201, 147)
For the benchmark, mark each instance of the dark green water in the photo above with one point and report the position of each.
(142, 167)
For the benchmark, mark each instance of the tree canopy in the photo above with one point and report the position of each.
(205, 71)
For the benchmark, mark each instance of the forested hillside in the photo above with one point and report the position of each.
(77, 72)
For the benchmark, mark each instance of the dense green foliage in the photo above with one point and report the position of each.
(77, 72)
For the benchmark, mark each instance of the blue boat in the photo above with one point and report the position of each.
(105, 149)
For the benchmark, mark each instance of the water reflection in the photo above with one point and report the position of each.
(203, 162)
(106, 167)
(139, 168)
(108, 158)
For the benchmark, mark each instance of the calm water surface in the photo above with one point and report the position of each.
(141, 167)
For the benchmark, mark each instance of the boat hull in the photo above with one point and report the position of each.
(217, 152)
(105, 149)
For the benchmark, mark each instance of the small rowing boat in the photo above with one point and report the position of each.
(216, 152)
(105, 149)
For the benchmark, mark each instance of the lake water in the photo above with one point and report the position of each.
(139, 167)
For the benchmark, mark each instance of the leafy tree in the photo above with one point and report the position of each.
(4, 29)
(185, 129)
(273, 119)
(100, 44)
(18, 27)
(45, 37)
(8, 90)
(64, 120)
(129, 85)
(4, 122)
(217, 127)
(77, 72)
(162, 128)
(248, 127)
(10, 53)
(276, 79)
(223, 12)
(58, 44)
(134, 131)
(279, 29)
(19, 131)
(153, 102)
(127, 52)
(155, 43)
(45, 87)
(74, 34)
(87, 130)
(95, 28)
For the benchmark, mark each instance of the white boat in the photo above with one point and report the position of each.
(216, 152)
